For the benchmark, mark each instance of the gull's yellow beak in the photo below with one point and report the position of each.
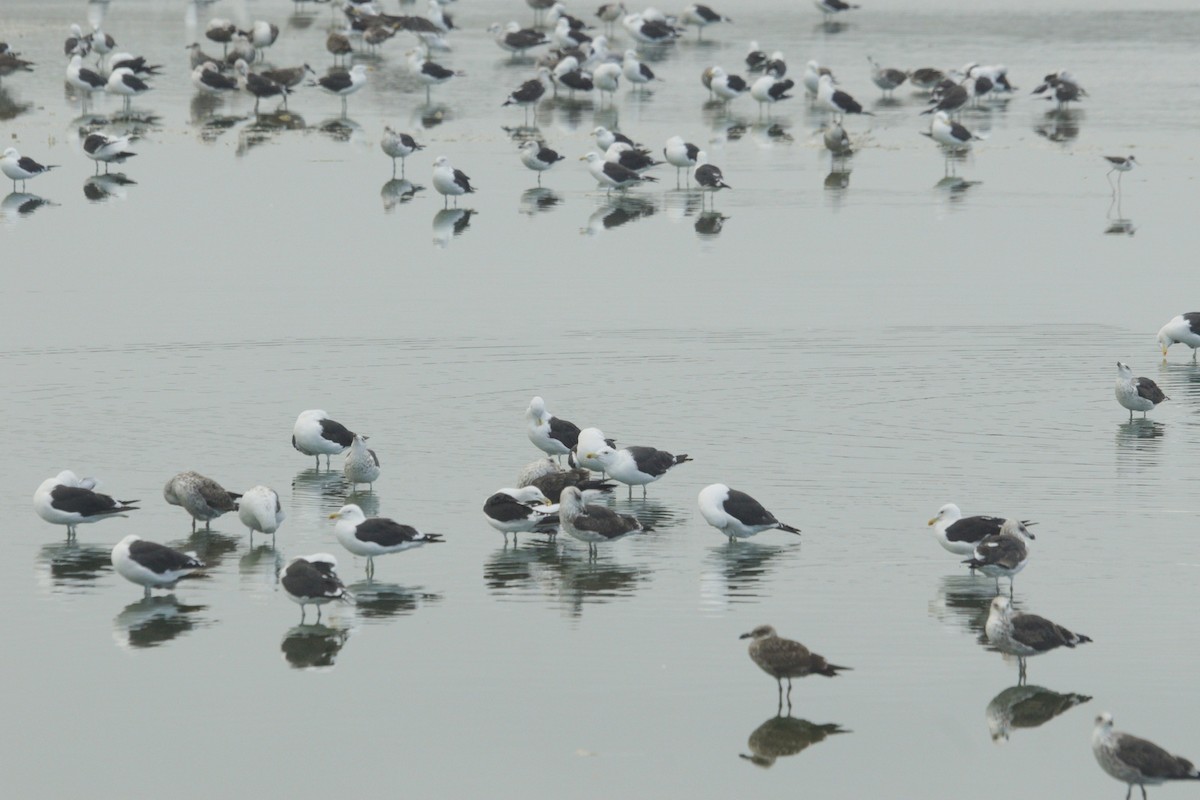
(590, 455)
(1164, 352)
(932, 521)
(335, 515)
(583, 158)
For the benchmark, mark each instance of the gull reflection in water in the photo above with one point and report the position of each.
(397, 191)
(1027, 707)
(710, 224)
(963, 601)
(263, 560)
(99, 188)
(586, 581)
(324, 490)
(514, 568)
(539, 200)
(209, 546)
(617, 210)
(450, 222)
(18, 205)
(376, 600)
(313, 646)
(782, 736)
(1060, 125)
(733, 570)
(153, 621)
(1139, 446)
(71, 565)
(340, 129)
(267, 127)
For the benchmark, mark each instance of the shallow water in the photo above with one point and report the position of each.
(853, 350)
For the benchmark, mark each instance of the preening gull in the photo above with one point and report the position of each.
(67, 500)
(1136, 761)
(515, 39)
(1184, 329)
(551, 478)
(1024, 635)
(1003, 554)
(259, 510)
(727, 87)
(831, 7)
(783, 658)
(550, 434)
(376, 536)
(636, 466)
(522, 510)
(708, 176)
(313, 580)
(593, 524)
(210, 80)
(590, 440)
(1136, 394)
(203, 498)
(769, 89)
(737, 514)
(961, 535)
(315, 434)
(108, 149)
(150, 564)
(361, 465)
(612, 175)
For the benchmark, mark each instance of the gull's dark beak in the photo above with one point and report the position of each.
(745, 636)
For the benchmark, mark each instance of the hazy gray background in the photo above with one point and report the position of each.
(854, 358)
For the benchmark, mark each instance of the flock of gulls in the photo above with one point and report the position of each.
(549, 496)
(577, 56)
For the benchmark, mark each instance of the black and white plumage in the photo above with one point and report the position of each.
(836, 100)
(450, 182)
(637, 466)
(926, 78)
(315, 434)
(76, 44)
(539, 158)
(630, 157)
(529, 92)
(590, 441)
(107, 149)
(21, 168)
(1184, 329)
(100, 41)
(613, 176)
(152, 565)
(727, 87)
(135, 64)
(649, 31)
(262, 34)
(606, 138)
(635, 71)
(1003, 554)
(376, 536)
(287, 77)
(313, 580)
(593, 524)
(398, 145)
(950, 134)
(259, 85)
(84, 79)
(783, 658)
(515, 39)
(1136, 761)
(428, 73)
(680, 154)
(701, 16)
(961, 535)
(344, 84)
(259, 510)
(123, 82)
(708, 176)
(550, 434)
(210, 80)
(831, 7)
(756, 58)
(221, 31)
(1119, 165)
(566, 37)
(1065, 88)
(1136, 394)
(1024, 635)
(522, 510)
(67, 500)
(953, 98)
(361, 464)
(769, 90)
(886, 78)
(200, 496)
(737, 514)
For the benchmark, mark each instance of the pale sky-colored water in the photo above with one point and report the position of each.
(853, 357)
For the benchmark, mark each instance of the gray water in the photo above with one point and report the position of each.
(853, 356)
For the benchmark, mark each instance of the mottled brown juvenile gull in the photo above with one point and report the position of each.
(1024, 635)
(202, 497)
(313, 580)
(782, 658)
(593, 524)
(151, 564)
(1136, 761)
(361, 465)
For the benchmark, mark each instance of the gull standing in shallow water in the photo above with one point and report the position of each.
(961, 535)
(313, 580)
(203, 498)
(782, 658)
(1005, 553)
(315, 434)
(550, 434)
(398, 145)
(21, 168)
(1184, 329)
(1136, 761)
(376, 536)
(591, 523)
(524, 510)
(151, 564)
(450, 182)
(637, 466)
(259, 510)
(361, 465)
(1024, 635)
(1136, 394)
(66, 500)
(737, 514)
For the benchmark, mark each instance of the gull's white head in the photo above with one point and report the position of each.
(537, 408)
(1123, 371)
(947, 513)
(1014, 527)
(350, 513)
(1002, 606)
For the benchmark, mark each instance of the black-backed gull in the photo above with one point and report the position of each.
(67, 500)
(376, 536)
(150, 564)
(313, 580)
(737, 514)
(315, 434)
(1136, 394)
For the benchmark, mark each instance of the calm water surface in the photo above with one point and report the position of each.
(854, 349)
